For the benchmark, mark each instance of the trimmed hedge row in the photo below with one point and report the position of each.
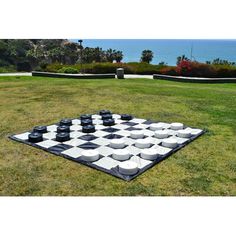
(184, 68)
(100, 68)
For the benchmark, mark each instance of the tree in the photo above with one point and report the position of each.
(118, 56)
(147, 56)
(110, 55)
(181, 58)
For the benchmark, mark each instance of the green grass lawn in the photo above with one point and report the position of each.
(207, 166)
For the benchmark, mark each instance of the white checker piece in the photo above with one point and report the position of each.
(48, 143)
(107, 163)
(73, 152)
(23, 136)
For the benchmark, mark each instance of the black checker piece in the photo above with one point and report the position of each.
(40, 129)
(86, 117)
(67, 122)
(63, 129)
(104, 112)
(86, 122)
(35, 137)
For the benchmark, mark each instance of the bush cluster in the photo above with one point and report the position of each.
(68, 70)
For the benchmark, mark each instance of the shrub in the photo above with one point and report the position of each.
(68, 70)
(23, 66)
(53, 67)
(168, 70)
(195, 69)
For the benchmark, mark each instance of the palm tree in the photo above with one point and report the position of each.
(147, 56)
(118, 56)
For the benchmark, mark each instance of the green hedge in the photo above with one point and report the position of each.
(100, 68)
(197, 69)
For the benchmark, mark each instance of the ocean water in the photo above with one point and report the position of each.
(168, 50)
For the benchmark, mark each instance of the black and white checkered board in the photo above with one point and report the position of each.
(100, 140)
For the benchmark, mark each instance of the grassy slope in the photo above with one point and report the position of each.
(205, 167)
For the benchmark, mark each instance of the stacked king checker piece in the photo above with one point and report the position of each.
(121, 145)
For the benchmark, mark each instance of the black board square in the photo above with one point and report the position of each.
(148, 122)
(112, 136)
(132, 128)
(89, 145)
(110, 130)
(60, 148)
(129, 123)
(88, 137)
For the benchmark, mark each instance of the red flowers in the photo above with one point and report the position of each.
(183, 67)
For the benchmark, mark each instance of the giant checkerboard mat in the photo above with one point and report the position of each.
(121, 145)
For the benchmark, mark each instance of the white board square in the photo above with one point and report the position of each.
(162, 150)
(48, 143)
(124, 133)
(100, 133)
(141, 162)
(101, 141)
(97, 122)
(76, 122)
(76, 127)
(23, 136)
(105, 151)
(116, 116)
(75, 142)
(76, 134)
(49, 135)
(120, 126)
(73, 152)
(107, 163)
(52, 128)
(137, 120)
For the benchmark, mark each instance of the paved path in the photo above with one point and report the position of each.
(16, 74)
(127, 76)
(131, 76)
